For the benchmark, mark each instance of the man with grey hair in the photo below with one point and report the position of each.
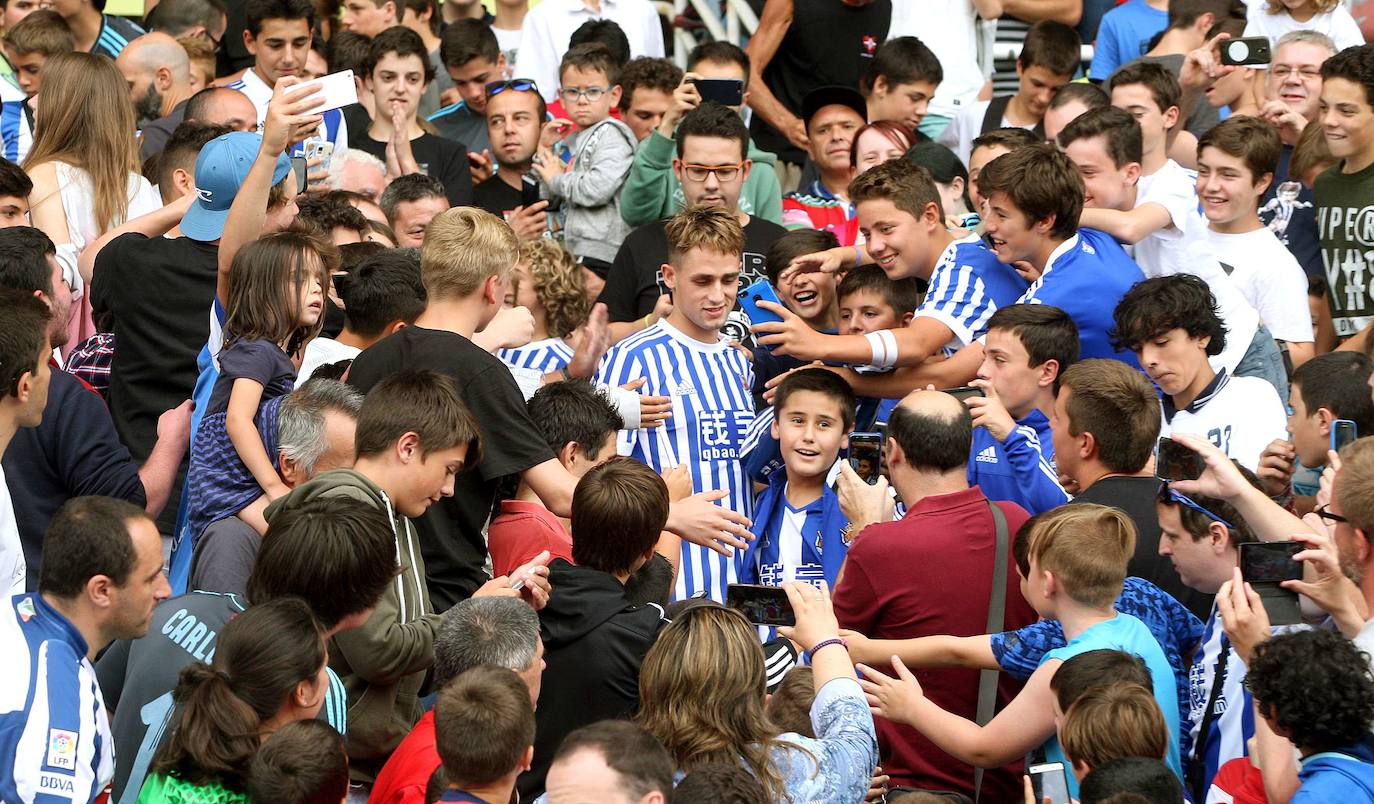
(159, 75)
(309, 431)
(359, 172)
(497, 631)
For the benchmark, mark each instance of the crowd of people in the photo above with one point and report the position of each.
(410, 401)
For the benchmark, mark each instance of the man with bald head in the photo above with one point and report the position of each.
(930, 573)
(159, 75)
(223, 107)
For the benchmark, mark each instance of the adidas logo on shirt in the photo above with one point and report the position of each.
(988, 455)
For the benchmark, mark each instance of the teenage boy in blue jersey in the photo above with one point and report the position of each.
(1034, 197)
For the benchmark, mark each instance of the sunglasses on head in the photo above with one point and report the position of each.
(1168, 495)
(517, 84)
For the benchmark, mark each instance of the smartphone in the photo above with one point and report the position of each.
(1245, 51)
(749, 298)
(318, 147)
(1048, 781)
(339, 90)
(866, 455)
(1270, 562)
(1343, 431)
(725, 91)
(529, 192)
(763, 605)
(1174, 461)
(964, 392)
(298, 167)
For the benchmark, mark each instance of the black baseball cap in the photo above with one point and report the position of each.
(822, 97)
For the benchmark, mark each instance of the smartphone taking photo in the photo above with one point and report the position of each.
(1265, 565)
(1343, 431)
(762, 605)
(1048, 781)
(1175, 461)
(866, 456)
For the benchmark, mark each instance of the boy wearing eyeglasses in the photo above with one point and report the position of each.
(603, 149)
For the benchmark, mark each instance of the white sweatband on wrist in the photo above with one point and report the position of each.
(883, 348)
(625, 401)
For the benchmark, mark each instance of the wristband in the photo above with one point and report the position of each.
(883, 348)
(824, 644)
(648, 323)
(858, 256)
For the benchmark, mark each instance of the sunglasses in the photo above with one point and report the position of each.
(1168, 495)
(517, 84)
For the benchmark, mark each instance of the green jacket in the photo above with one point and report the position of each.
(382, 663)
(160, 788)
(652, 192)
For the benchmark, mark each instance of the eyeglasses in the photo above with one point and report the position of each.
(571, 95)
(517, 84)
(1306, 73)
(1324, 512)
(1168, 495)
(723, 172)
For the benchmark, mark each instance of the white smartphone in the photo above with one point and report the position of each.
(338, 89)
(1048, 781)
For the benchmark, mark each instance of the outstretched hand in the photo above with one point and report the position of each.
(896, 697)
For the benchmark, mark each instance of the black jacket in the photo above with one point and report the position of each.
(594, 642)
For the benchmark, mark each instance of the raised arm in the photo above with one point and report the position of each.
(773, 25)
(153, 224)
(1130, 226)
(915, 342)
(1069, 12)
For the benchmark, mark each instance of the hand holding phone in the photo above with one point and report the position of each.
(762, 605)
(1246, 51)
(1343, 431)
(725, 91)
(866, 455)
(1266, 565)
(1175, 461)
(338, 90)
(749, 298)
(1048, 781)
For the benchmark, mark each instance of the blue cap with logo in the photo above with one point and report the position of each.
(221, 167)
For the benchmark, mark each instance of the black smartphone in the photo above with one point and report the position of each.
(866, 455)
(1343, 431)
(1174, 461)
(298, 167)
(1245, 51)
(963, 392)
(529, 192)
(1048, 780)
(1270, 562)
(763, 605)
(726, 91)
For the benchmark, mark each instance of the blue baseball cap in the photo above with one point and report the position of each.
(221, 167)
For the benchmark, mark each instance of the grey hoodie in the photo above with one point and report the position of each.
(602, 158)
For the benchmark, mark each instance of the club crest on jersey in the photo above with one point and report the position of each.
(25, 609)
(62, 749)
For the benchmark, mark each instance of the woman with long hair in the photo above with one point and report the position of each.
(84, 164)
(701, 693)
(269, 670)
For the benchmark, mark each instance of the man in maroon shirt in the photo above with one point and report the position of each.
(930, 573)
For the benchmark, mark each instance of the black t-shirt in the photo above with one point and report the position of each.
(635, 280)
(1136, 497)
(160, 292)
(451, 532)
(1293, 218)
(827, 44)
(443, 159)
(496, 197)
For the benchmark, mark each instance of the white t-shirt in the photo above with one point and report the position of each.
(1337, 24)
(550, 24)
(959, 135)
(322, 352)
(13, 569)
(1184, 249)
(509, 43)
(947, 28)
(1240, 415)
(1270, 279)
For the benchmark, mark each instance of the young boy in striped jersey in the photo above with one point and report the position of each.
(685, 357)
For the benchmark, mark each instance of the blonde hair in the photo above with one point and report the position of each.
(1086, 546)
(464, 246)
(701, 689)
(1322, 6)
(85, 119)
(201, 55)
(1114, 721)
(705, 226)
(559, 284)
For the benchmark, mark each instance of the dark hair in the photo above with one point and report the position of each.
(902, 60)
(410, 187)
(467, 39)
(43, 31)
(437, 784)
(1010, 138)
(175, 17)
(495, 631)
(1150, 778)
(618, 510)
(1089, 94)
(436, 18)
(1020, 549)
(591, 56)
(14, 181)
(384, 289)
(1183, 13)
(351, 255)
(304, 762)
(930, 441)
(1052, 45)
(647, 72)
(88, 536)
(1247, 138)
(1046, 332)
(1339, 382)
(1163, 86)
(337, 554)
(1041, 182)
(483, 724)
(606, 33)
(792, 245)
(403, 42)
(260, 657)
(820, 381)
(907, 185)
(642, 763)
(264, 287)
(575, 411)
(259, 11)
(23, 339)
(322, 213)
(943, 164)
(1286, 670)
(1115, 403)
(1097, 668)
(719, 52)
(902, 295)
(719, 784)
(1120, 133)
(24, 262)
(1163, 303)
(417, 401)
(183, 147)
(789, 707)
(711, 119)
(349, 50)
(1354, 64)
(1197, 523)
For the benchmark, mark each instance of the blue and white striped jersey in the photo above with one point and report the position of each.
(55, 741)
(967, 286)
(16, 135)
(712, 410)
(1234, 722)
(115, 34)
(550, 354)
